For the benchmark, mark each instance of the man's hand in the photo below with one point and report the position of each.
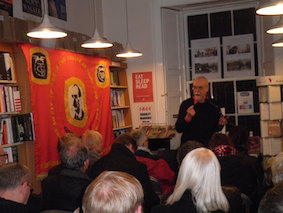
(222, 121)
(190, 114)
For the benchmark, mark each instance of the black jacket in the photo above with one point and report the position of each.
(202, 125)
(65, 190)
(122, 159)
(8, 206)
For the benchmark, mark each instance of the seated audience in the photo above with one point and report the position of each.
(198, 186)
(272, 202)
(15, 183)
(185, 148)
(111, 192)
(121, 158)
(93, 141)
(64, 191)
(158, 169)
(3, 156)
(62, 142)
(234, 171)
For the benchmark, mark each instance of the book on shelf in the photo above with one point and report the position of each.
(17, 128)
(114, 78)
(12, 154)
(271, 146)
(10, 99)
(6, 67)
(274, 93)
(262, 91)
(275, 111)
(270, 129)
(118, 118)
(117, 97)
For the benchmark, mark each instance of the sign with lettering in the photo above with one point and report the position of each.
(142, 87)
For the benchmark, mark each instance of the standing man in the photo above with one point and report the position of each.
(198, 117)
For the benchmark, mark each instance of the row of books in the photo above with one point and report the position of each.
(114, 78)
(6, 67)
(10, 99)
(12, 153)
(118, 118)
(16, 128)
(117, 97)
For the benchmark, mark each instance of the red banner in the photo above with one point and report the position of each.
(69, 93)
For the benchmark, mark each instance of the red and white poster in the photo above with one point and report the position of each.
(142, 87)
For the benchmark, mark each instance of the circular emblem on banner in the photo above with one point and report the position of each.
(102, 76)
(40, 64)
(75, 102)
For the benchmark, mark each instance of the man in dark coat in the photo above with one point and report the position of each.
(198, 117)
(64, 191)
(122, 158)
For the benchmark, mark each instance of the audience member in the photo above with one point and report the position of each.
(62, 142)
(158, 169)
(3, 156)
(122, 158)
(65, 190)
(277, 169)
(93, 141)
(198, 187)
(113, 191)
(272, 202)
(15, 183)
(234, 171)
(185, 148)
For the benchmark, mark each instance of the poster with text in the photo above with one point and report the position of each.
(142, 87)
(206, 59)
(245, 102)
(238, 53)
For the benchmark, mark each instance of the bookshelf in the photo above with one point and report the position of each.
(120, 103)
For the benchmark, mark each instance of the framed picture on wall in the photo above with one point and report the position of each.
(206, 59)
(238, 55)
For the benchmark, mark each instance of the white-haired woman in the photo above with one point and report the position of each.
(198, 188)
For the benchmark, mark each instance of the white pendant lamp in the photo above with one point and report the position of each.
(278, 43)
(270, 7)
(128, 51)
(96, 40)
(46, 30)
(278, 28)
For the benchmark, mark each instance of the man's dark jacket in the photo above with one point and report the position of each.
(65, 190)
(122, 159)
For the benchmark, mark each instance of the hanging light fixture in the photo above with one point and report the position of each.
(128, 51)
(46, 30)
(278, 28)
(96, 40)
(270, 7)
(278, 43)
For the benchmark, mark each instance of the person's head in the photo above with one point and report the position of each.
(185, 148)
(128, 141)
(272, 201)
(113, 191)
(140, 136)
(277, 168)
(200, 172)
(64, 141)
(74, 154)
(3, 156)
(15, 182)
(240, 137)
(200, 88)
(93, 141)
(218, 139)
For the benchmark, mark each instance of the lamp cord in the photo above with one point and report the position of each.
(127, 24)
(95, 16)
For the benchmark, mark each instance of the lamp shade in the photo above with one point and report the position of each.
(271, 7)
(278, 43)
(278, 28)
(129, 52)
(97, 42)
(46, 30)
